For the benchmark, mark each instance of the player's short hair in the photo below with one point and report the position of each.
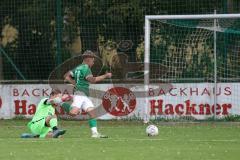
(55, 92)
(88, 54)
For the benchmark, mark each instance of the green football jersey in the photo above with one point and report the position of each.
(80, 74)
(43, 110)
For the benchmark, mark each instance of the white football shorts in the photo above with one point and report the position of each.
(82, 102)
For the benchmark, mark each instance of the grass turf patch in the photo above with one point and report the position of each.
(128, 141)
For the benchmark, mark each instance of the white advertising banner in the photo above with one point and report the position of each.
(195, 100)
(128, 100)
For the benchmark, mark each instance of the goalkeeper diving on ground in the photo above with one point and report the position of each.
(44, 122)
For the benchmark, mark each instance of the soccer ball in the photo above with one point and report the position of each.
(152, 130)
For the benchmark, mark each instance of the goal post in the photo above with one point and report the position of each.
(194, 36)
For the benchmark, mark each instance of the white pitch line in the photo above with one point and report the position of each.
(116, 140)
(215, 140)
(191, 140)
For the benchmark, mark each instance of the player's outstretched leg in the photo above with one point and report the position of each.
(93, 124)
(73, 111)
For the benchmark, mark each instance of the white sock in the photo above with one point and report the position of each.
(94, 130)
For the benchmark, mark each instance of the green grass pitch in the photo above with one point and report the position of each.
(128, 141)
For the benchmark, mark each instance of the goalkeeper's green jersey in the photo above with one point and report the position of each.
(43, 110)
(80, 75)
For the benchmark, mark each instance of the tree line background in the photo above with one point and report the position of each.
(38, 35)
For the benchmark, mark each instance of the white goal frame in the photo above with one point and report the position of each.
(147, 29)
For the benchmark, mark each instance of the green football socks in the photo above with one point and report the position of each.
(67, 107)
(53, 122)
(92, 123)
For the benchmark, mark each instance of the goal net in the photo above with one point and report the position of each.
(196, 54)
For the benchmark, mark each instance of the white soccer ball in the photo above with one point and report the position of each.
(152, 130)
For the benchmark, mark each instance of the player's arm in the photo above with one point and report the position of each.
(92, 79)
(53, 101)
(58, 100)
(69, 78)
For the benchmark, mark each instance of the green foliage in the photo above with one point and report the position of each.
(34, 51)
(232, 118)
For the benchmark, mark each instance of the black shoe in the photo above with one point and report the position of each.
(58, 132)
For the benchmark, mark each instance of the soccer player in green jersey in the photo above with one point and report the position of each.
(80, 77)
(44, 122)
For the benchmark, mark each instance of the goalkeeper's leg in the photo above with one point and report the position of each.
(52, 130)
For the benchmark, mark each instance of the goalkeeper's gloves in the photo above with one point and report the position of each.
(55, 101)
